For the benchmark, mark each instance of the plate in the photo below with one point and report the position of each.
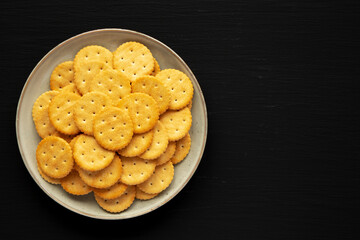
(38, 82)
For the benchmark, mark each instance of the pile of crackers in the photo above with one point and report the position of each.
(113, 124)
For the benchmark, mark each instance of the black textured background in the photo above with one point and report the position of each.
(280, 80)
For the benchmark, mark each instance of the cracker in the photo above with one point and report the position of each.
(138, 144)
(73, 184)
(160, 180)
(112, 192)
(62, 75)
(61, 111)
(113, 128)
(179, 85)
(142, 109)
(85, 74)
(54, 157)
(155, 88)
(40, 115)
(92, 53)
(71, 88)
(182, 149)
(177, 123)
(167, 155)
(136, 170)
(144, 196)
(118, 204)
(134, 60)
(105, 177)
(49, 179)
(113, 83)
(89, 155)
(156, 68)
(86, 109)
(159, 143)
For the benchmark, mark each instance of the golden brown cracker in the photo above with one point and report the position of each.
(112, 192)
(85, 74)
(62, 75)
(118, 204)
(138, 144)
(179, 85)
(182, 149)
(54, 157)
(40, 115)
(156, 68)
(155, 88)
(167, 155)
(105, 177)
(92, 53)
(142, 109)
(133, 59)
(89, 155)
(113, 128)
(86, 109)
(143, 195)
(136, 170)
(160, 180)
(74, 185)
(49, 179)
(61, 113)
(159, 143)
(177, 123)
(113, 83)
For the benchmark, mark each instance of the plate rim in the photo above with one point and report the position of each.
(69, 207)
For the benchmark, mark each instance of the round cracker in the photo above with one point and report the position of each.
(47, 178)
(40, 115)
(62, 75)
(118, 204)
(177, 123)
(86, 109)
(113, 83)
(136, 170)
(138, 144)
(112, 192)
(143, 195)
(182, 149)
(160, 180)
(89, 155)
(61, 111)
(159, 143)
(54, 157)
(105, 177)
(155, 88)
(134, 60)
(142, 109)
(156, 68)
(92, 53)
(113, 128)
(179, 85)
(167, 155)
(74, 185)
(85, 74)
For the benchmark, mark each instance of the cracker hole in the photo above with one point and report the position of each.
(156, 85)
(93, 113)
(68, 113)
(134, 74)
(59, 75)
(82, 154)
(117, 202)
(136, 146)
(184, 91)
(122, 135)
(162, 180)
(121, 86)
(100, 133)
(143, 137)
(70, 70)
(56, 169)
(92, 100)
(89, 70)
(172, 89)
(182, 146)
(175, 100)
(82, 107)
(92, 161)
(57, 107)
(160, 96)
(44, 124)
(139, 125)
(126, 193)
(100, 180)
(84, 120)
(177, 130)
(134, 163)
(109, 90)
(58, 120)
(83, 80)
(110, 173)
(72, 183)
(41, 106)
(151, 184)
(158, 143)
(46, 164)
(164, 168)
(142, 173)
(129, 175)
(124, 124)
(110, 140)
(171, 119)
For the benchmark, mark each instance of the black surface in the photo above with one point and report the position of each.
(280, 79)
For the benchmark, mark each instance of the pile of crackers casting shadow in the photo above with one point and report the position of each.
(113, 124)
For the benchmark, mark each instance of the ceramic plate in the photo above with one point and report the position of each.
(38, 82)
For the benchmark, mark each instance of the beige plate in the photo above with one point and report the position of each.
(38, 82)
